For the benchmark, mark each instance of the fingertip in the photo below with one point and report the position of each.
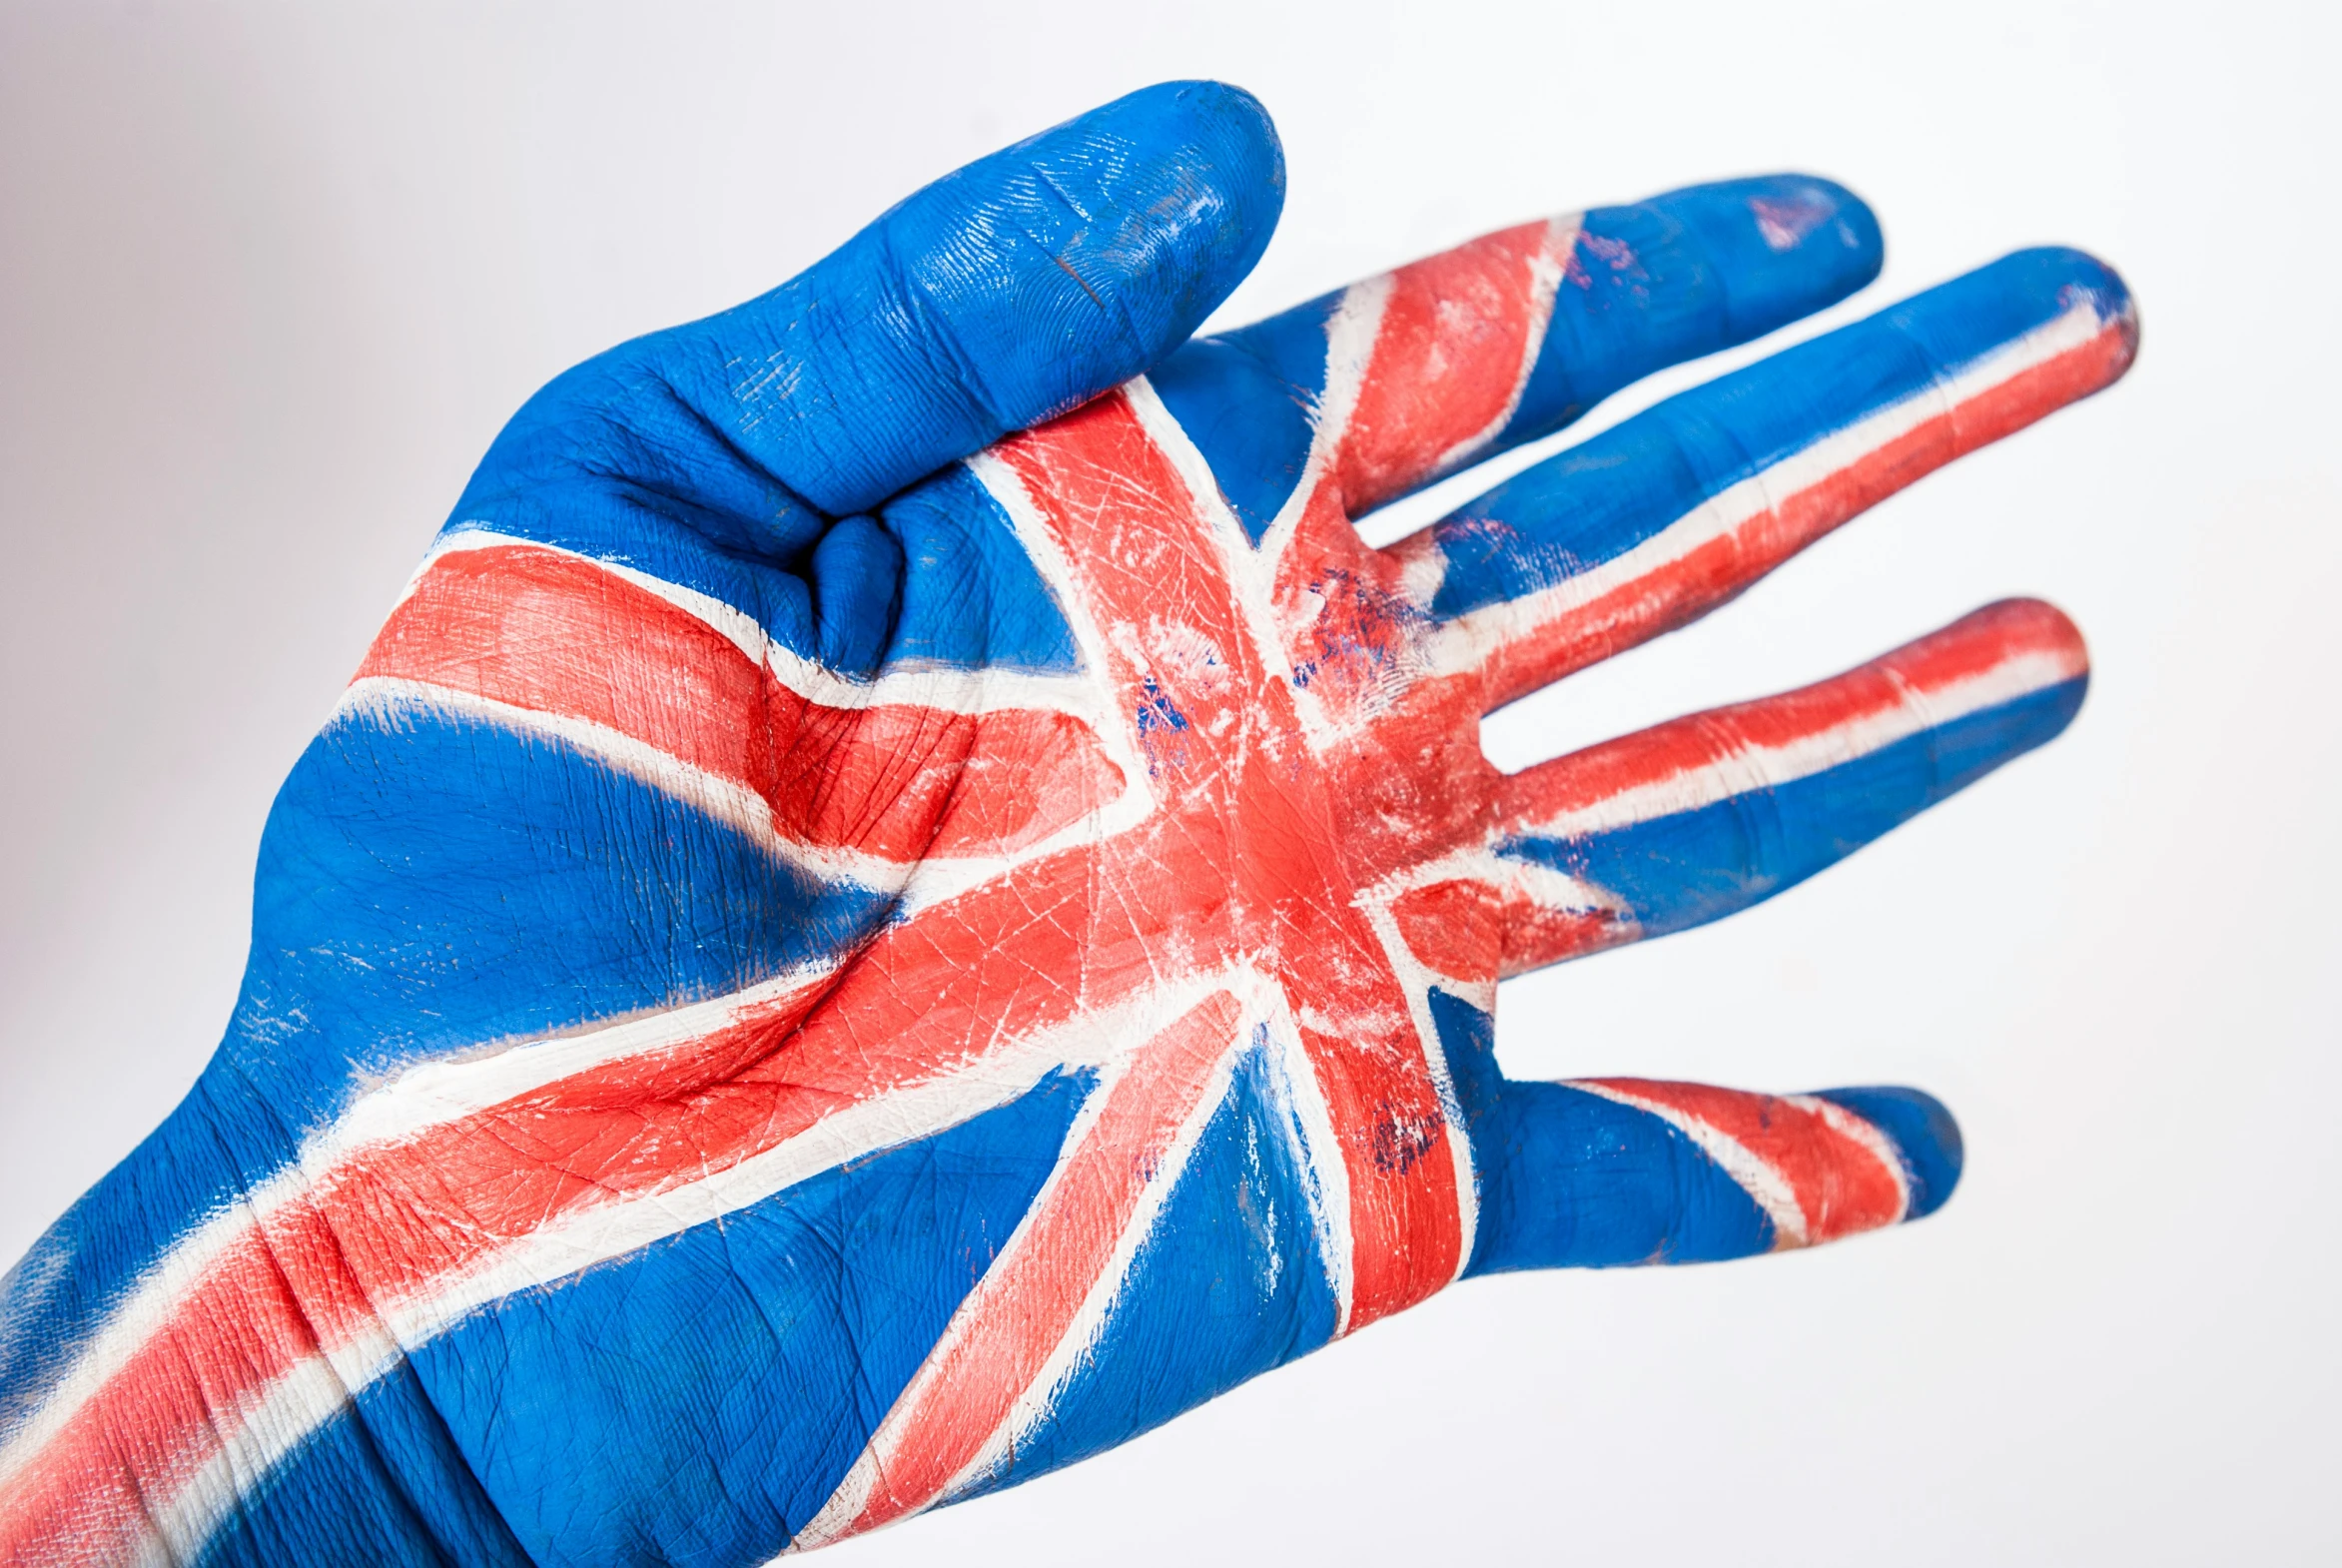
(2033, 625)
(2057, 636)
(2070, 276)
(1200, 188)
(2062, 306)
(1210, 110)
(1782, 245)
(1230, 115)
(2063, 278)
(1246, 160)
(1922, 1133)
(1822, 221)
(856, 572)
(2030, 656)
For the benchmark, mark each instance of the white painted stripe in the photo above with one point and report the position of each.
(1549, 886)
(203, 1483)
(429, 1095)
(316, 1388)
(1101, 1037)
(1326, 1173)
(1756, 1177)
(142, 1313)
(1251, 573)
(443, 1091)
(851, 1494)
(1034, 1405)
(396, 704)
(1471, 639)
(1117, 731)
(436, 1094)
(583, 1238)
(1755, 768)
(250, 1442)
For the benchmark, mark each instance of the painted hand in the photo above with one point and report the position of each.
(841, 951)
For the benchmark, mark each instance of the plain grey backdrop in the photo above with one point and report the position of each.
(271, 276)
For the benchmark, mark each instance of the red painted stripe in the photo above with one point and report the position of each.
(1840, 1184)
(255, 1314)
(1345, 616)
(1445, 924)
(1685, 588)
(1249, 827)
(1005, 1333)
(1451, 927)
(1445, 364)
(547, 632)
(1971, 646)
(1466, 928)
(396, 1219)
(1535, 936)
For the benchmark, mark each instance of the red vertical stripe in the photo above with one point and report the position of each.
(1252, 824)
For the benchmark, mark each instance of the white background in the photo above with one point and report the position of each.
(270, 279)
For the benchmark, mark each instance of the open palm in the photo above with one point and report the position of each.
(860, 936)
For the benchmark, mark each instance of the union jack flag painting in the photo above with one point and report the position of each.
(758, 1028)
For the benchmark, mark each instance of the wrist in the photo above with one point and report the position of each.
(186, 1356)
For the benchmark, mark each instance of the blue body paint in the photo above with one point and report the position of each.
(1231, 1283)
(1684, 869)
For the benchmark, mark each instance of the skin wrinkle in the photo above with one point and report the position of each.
(933, 326)
(726, 443)
(1939, 383)
(1113, 153)
(781, 376)
(357, 1422)
(774, 379)
(889, 331)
